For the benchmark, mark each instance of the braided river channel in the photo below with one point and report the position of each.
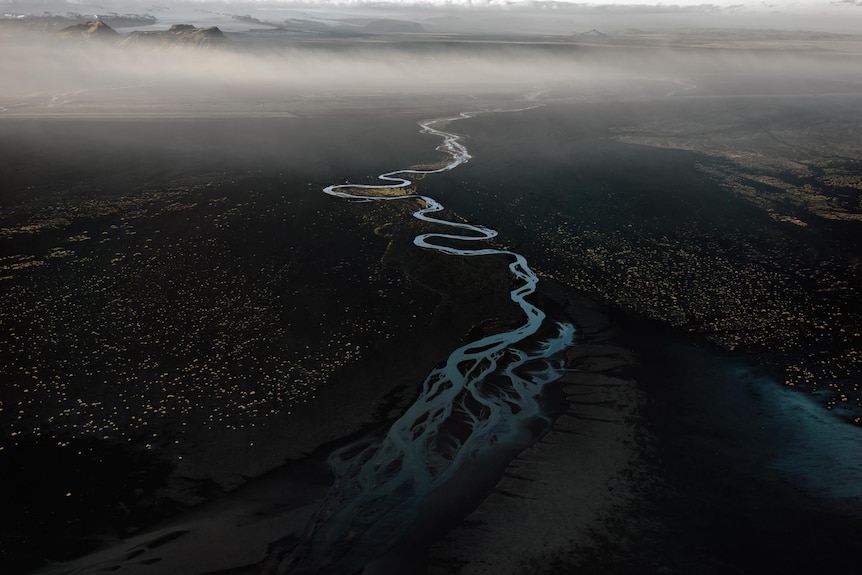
(481, 404)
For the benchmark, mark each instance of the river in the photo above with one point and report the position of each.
(484, 397)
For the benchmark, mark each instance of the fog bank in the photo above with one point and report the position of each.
(45, 74)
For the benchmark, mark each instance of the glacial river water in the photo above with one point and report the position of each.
(484, 396)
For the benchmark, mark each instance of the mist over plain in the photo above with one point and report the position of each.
(45, 74)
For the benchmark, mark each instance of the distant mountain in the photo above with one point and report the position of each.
(251, 20)
(392, 27)
(592, 34)
(127, 20)
(178, 35)
(92, 30)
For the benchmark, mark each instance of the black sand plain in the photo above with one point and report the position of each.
(190, 326)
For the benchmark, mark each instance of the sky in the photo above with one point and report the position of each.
(826, 15)
(669, 5)
(783, 5)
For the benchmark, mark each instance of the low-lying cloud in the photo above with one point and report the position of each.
(34, 68)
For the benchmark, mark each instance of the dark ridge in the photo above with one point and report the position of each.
(178, 35)
(92, 30)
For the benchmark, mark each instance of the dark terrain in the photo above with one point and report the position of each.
(184, 311)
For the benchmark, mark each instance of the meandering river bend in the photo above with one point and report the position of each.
(485, 395)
